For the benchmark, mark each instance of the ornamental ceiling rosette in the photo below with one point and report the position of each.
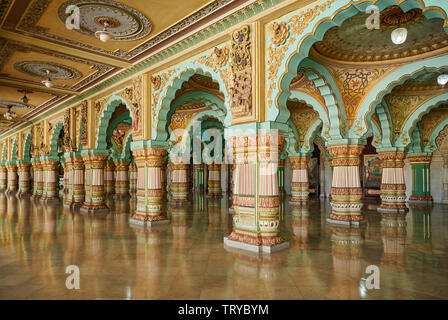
(125, 22)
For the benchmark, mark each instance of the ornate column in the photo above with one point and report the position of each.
(346, 189)
(109, 179)
(50, 179)
(232, 187)
(281, 177)
(445, 178)
(12, 178)
(94, 181)
(37, 178)
(300, 180)
(64, 167)
(256, 199)
(421, 177)
(179, 180)
(150, 163)
(133, 178)
(214, 180)
(3, 178)
(75, 180)
(393, 187)
(24, 179)
(121, 179)
(198, 177)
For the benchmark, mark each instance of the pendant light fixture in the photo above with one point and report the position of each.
(399, 35)
(442, 79)
(24, 99)
(105, 35)
(9, 114)
(48, 83)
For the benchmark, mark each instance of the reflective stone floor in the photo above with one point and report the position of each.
(186, 259)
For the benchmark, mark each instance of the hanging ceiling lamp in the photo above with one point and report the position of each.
(442, 79)
(399, 35)
(105, 35)
(8, 115)
(24, 99)
(48, 83)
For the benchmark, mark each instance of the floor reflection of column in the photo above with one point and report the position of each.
(2, 203)
(122, 206)
(260, 277)
(213, 210)
(393, 235)
(151, 281)
(198, 201)
(347, 245)
(300, 225)
(421, 233)
(11, 210)
(179, 225)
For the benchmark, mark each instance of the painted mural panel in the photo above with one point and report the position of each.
(314, 176)
(372, 175)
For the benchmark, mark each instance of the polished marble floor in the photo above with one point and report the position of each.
(186, 259)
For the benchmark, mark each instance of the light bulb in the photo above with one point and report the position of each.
(48, 83)
(442, 79)
(104, 35)
(399, 35)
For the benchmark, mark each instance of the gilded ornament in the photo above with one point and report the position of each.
(278, 32)
(241, 77)
(156, 82)
(221, 56)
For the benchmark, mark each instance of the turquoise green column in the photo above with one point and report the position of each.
(421, 177)
(198, 177)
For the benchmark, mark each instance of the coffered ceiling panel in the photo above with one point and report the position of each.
(34, 38)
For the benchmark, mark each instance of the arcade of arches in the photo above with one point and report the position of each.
(272, 112)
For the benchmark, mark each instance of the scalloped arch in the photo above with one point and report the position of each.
(101, 130)
(173, 84)
(313, 23)
(417, 115)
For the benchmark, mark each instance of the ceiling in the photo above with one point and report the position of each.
(353, 42)
(34, 38)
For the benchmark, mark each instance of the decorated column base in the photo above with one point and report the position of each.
(239, 244)
(50, 180)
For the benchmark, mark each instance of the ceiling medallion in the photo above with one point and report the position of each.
(45, 69)
(124, 22)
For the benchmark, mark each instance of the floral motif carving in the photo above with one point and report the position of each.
(84, 135)
(278, 32)
(401, 107)
(119, 135)
(67, 143)
(156, 82)
(296, 25)
(303, 118)
(221, 56)
(156, 92)
(430, 121)
(241, 68)
(136, 104)
(353, 84)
